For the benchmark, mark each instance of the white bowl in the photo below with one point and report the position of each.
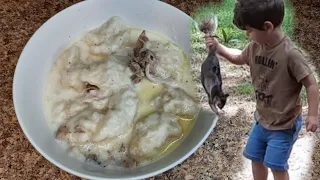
(58, 33)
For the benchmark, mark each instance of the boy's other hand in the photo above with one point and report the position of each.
(312, 123)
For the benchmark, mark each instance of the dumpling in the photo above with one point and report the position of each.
(110, 75)
(83, 123)
(107, 153)
(68, 58)
(106, 39)
(176, 101)
(114, 26)
(79, 128)
(169, 66)
(151, 134)
(120, 117)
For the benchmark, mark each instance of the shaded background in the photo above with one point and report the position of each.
(19, 19)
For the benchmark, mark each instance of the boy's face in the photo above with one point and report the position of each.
(256, 35)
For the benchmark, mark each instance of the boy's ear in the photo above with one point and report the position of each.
(268, 26)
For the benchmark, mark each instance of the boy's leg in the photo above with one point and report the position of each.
(280, 175)
(279, 148)
(255, 151)
(259, 171)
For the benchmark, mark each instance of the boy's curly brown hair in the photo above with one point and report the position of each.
(254, 13)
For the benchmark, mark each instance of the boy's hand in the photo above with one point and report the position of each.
(210, 41)
(312, 123)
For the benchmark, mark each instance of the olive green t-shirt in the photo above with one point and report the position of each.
(276, 74)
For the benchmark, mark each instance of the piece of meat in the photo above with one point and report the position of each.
(92, 157)
(137, 72)
(64, 130)
(210, 72)
(62, 133)
(144, 63)
(141, 58)
(90, 87)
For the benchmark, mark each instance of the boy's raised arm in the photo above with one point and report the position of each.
(234, 56)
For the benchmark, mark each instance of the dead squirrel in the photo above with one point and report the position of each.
(210, 69)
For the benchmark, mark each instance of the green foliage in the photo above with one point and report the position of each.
(245, 88)
(227, 32)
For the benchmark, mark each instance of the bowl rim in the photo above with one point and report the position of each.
(52, 160)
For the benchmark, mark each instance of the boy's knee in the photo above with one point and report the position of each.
(258, 166)
(278, 171)
(258, 163)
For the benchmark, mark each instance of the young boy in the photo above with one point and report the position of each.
(278, 71)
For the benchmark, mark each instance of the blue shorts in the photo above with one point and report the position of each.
(273, 148)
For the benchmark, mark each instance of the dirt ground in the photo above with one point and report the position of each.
(219, 158)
